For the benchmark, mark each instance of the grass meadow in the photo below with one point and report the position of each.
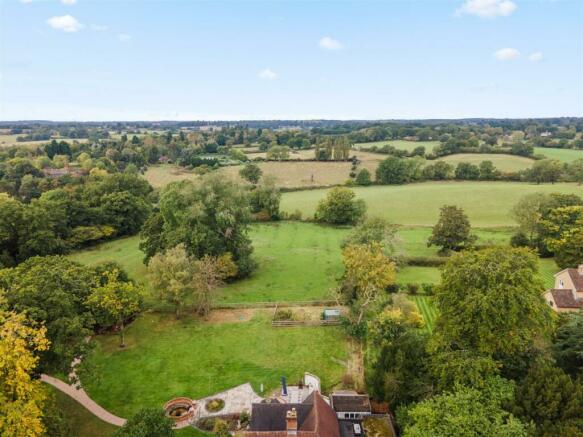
(166, 358)
(564, 155)
(504, 163)
(409, 146)
(487, 204)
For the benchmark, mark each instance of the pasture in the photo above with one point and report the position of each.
(296, 261)
(487, 204)
(504, 163)
(563, 155)
(194, 358)
(409, 146)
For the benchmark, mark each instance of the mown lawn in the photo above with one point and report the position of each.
(504, 163)
(82, 423)
(427, 309)
(564, 155)
(487, 204)
(296, 262)
(166, 358)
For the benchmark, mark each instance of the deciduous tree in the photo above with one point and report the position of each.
(452, 231)
(340, 207)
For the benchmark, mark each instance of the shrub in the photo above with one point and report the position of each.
(283, 314)
(412, 288)
(215, 405)
(519, 239)
(425, 261)
(428, 289)
(393, 288)
(363, 177)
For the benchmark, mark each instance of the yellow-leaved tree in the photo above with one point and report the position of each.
(368, 271)
(22, 398)
(119, 299)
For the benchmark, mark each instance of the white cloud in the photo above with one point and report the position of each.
(267, 74)
(66, 23)
(535, 57)
(330, 43)
(68, 2)
(124, 37)
(507, 54)
(487, 8)
(98, 28)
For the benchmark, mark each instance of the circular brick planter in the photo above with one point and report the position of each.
(180, 410)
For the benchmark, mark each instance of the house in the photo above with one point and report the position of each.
(311, 418)
(568, 292)
(348, 404)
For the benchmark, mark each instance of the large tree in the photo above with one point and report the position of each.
(568, 343)
(549, 398)
(491, 302)
(452, 231)
(374, 230)
(22, 398)
(368, 271)
(466, 412)
(340, 207)
(209, 216)
(392, 171)
(171, 274)
(119, 299)
(54, 291)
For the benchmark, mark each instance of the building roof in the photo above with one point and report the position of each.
(565, 299)
(350, 402)
(577, 279)
(315, 419)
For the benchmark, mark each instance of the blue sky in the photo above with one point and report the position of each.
(185, 60)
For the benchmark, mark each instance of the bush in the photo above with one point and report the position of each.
(425, 261)
(363, 177)
(519, 240)
(393, 288)
(412, 288)
(428, 289)
(215, 405)
(284, 314)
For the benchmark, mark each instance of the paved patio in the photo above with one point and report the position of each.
(237, 400)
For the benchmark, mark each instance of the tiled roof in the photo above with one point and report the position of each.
(577, 279)
(566, 299)
(351, 402)
(314, 419)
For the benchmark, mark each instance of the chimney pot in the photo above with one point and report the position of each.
(291, 419)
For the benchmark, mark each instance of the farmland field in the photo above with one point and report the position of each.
(564, 155)
(401, 144)
(487, 204)
(189, 357)
(504, 163)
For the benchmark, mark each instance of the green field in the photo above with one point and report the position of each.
(166, 358)
(401, 144)
(296, 262)
(299, 261)
(504, 163)
(487, 204)
(564, 155)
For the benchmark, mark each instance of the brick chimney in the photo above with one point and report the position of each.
(291, 420)
(580, 269)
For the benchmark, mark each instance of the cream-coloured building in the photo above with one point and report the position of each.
(568, 292)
